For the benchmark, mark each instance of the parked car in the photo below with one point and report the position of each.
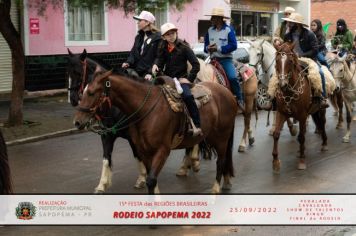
(240, 54)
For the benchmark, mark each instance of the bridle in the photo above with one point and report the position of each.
(260, 61)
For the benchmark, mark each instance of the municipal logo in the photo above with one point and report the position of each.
(25, 211)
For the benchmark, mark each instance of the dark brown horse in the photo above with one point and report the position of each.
(154, 126)
(294, 99)
(5, 176)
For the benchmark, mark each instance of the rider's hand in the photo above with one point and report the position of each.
(148, 77)
(155, 69)
(125, 65)
(212, 48)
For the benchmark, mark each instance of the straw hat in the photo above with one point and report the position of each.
(296, 18)
(146, 15)
(167, 27)
(218, 11)
(289, 10)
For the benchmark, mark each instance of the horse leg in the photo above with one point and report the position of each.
(249, 105)
(186, 165)
(340, 105)
(292, 128)
(141, 179)
(301, 140)
(194, 158)
(271, 131)
(158, 160)
(346, 138)
(228, 171)
(106, 172)
(276, 164)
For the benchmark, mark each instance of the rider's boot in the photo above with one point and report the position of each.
(194, 113)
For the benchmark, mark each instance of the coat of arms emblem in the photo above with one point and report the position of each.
(25, 211)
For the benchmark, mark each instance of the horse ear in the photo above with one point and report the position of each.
(70, 52)
(83, 55)
(276, 46)
(249, 41)
(262, 42)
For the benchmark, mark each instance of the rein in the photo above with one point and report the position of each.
(122, 123)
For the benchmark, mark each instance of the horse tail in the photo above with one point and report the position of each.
(206, 150)
(5, 176)
(229, 167)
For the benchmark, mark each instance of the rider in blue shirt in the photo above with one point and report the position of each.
(220, 42)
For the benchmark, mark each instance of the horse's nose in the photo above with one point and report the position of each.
(78, 124)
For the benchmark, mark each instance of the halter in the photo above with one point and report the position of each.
(84, 75)
(120, 124)
(260, 61)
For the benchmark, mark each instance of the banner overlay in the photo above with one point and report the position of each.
(177, 209)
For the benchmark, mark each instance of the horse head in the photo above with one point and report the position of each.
(80, 71)
(286, 63)
(256, 52)
(339, 69)
(92, 98)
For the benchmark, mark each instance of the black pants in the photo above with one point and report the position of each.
(191, 105)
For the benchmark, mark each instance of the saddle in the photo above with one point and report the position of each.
(245, 72)
(201, 95)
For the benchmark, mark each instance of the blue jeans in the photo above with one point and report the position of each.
(321, 58)
(322, 80)
(230, 71)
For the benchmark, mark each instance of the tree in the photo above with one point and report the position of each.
(13, 38)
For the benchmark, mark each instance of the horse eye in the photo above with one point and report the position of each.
(90, 94)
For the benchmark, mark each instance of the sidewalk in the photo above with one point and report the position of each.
(44, 117)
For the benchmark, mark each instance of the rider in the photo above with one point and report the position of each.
(279, 33)
(343, 38)
(306, 45)
(317, 29)
(173, 55)
(220, 41)
(144, 50)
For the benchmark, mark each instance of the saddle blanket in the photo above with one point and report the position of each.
(313, 76)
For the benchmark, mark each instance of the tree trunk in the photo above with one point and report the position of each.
(13, 39)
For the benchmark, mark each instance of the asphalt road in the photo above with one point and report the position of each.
(72, 164)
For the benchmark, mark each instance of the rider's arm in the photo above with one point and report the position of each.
(195, 64)
(348, 41)
(159, 61)
(131, 58)
(206, 42)
(314, 46)
(231, 39)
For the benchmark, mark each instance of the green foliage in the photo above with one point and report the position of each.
(128, 6)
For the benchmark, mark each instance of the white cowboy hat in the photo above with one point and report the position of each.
(289, 10)
(218, 11)
(296, 18)
(167, 27)
(146, 15)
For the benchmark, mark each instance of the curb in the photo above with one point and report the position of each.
(44, 136)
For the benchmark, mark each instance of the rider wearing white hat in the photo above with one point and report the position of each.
(173, 55)
(144, 50)
(281, 30)
(220, 42)
(305, 45)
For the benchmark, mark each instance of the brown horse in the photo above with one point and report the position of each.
(5, 176)
(154, 127)
(249, 88)
(294, 99)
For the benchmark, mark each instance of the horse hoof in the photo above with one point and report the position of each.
(227, 186)
(293, 131)
(182, 172)
(140, 184)
(251, 141)
(271, 132)
(241, 148)
(324, 148)
(196, 166)
(302, 165)
(345, 140)
(215, 191)
(99, 191)
(276, 167)
(339, 126)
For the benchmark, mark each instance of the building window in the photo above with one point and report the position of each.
(86, 23)
(251, 24)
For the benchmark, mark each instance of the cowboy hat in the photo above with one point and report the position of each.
(218, 11)
(167, 27)
(296, 18)
(289, 10)
(146, 15)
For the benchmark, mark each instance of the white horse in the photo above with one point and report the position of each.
(262, 57)
(347, 79)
